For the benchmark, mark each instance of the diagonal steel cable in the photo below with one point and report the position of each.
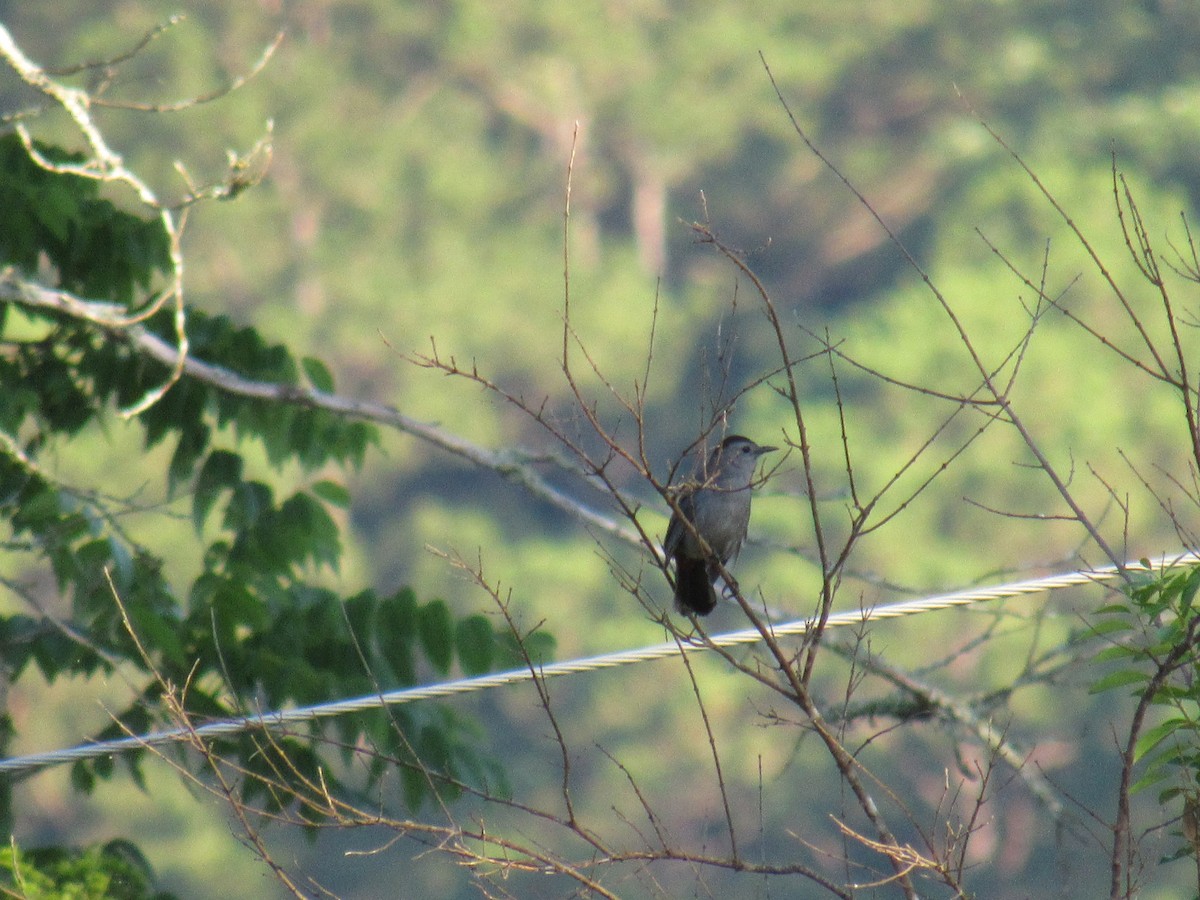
(284, 718)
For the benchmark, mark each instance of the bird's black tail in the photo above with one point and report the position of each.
(693, 590)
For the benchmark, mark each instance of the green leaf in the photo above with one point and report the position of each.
(1169, 794)
(122, 563)
(1109, 626)
(16, 635)
(1188, 596)
(476, 644)
(1152, 777)
(54, 654)
(539, 646)
(1118, 651)
(40, 506)
(413, 786)
(436, 628)
(1118, 679)
(221, 471)
(82, 777)
(158, 634)
(1169, 695)
(361, 612)
(249, 501)
(397, 624)
(318, 374)
(193, 441)
(1152, 737)
(332, 492)
(313, 533)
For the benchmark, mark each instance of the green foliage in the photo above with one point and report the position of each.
(473, 639)
(437, 634)
(99, 251)
(536, 647)
(256, 623)
(116, 870)
(1152, 642)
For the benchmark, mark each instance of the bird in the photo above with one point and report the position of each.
(715, 507)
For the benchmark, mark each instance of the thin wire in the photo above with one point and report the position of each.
(283, 718)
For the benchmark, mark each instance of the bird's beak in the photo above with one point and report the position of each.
(762, 450)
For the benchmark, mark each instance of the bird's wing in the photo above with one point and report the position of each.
(676, 530)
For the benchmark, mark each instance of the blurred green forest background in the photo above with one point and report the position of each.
(417, 191)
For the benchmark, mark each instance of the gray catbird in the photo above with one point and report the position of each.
(718, 508)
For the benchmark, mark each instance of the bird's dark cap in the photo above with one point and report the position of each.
(736, 438)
